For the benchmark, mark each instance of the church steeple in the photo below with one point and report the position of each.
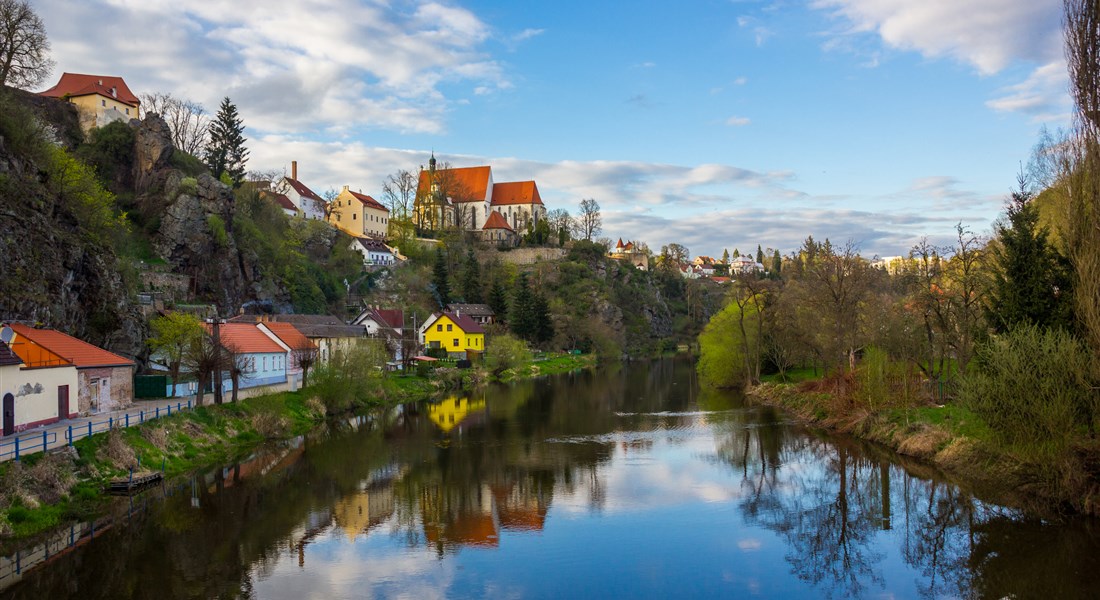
(431, 162)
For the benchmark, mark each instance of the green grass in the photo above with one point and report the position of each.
(958, 420)
(552, 365)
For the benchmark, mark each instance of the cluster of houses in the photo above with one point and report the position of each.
(705, 267)
(47, 376)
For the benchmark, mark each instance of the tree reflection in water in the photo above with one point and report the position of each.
(456, 478)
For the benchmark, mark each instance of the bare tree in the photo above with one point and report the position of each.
(24, 49)
(187, 120)
(305, 359)
(399, 193)
(589, 221)
(202, 359)
(238, 365)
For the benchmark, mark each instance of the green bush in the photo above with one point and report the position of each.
(504, 352)
(217, 230)
(351, 377)
(1030, 388)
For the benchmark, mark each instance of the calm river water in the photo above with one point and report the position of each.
(626, 483)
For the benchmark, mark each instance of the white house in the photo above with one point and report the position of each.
(304, 199)
(35, 392)
(374, 252)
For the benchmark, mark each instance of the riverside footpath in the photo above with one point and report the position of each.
(67, 431)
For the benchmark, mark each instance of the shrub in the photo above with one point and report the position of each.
(504, 352)
(1030, 388)
(217, 230)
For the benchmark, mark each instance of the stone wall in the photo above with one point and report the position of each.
(529, 256)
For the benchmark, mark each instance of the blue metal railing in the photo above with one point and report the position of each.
(18, 446)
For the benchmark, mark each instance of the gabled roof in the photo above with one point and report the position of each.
(497, 221)
(290, 336)
(81, 354)
(373, 245)
(515, 192)
(279, 199)
(466, 184)
(7, 357)
(464, 322)
(245, 338)
(368, 201)
(480, 310)
(395, 317)
(302, 190)
(76, 84)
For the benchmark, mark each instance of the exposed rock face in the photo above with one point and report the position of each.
(152, 151)
(49, 272)
(195, 237)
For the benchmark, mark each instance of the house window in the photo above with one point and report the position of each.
(439, 328)
(103, 102)
(353, 216)
(127, 111)
(264, 363)
(450, 327)
(456, 342)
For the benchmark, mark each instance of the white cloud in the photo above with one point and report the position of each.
(288, 65)
(738, 121)
(989, 35)
(741, 81)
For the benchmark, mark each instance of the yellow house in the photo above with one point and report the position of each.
(99, 99)
(359, 215)
(454, 331)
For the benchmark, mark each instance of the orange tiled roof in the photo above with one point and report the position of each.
(302, 190)
(368, 201)
(467, 184)
(76, 84)
(290, 335)
(516, 192)
(497, 221)
(279, 199)
(81, 354)
(245, 338)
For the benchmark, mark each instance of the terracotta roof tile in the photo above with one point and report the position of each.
(290, 336)
(368, 201)
(467, 184)
(77, 84)
(302, 190)
(245, 338)
(516, 192)
(82, 354)
(279, 199)
(497, 221)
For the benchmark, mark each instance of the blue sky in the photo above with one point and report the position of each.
(711, 123)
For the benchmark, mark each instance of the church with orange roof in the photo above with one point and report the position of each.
(468, 197)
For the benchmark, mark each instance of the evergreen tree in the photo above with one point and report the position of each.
(225, 151)
(759, 254)
(521, 319)
(736, 253)
(498, 299)
(1032, 282)
(725, 256)
(440, 278)
(471, 279)
(777, 264)
(543, 326)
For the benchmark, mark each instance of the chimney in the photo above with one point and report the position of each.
(294, 170)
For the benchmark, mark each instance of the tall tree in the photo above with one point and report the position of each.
(521, 318)
(24, 49)
(225, 152)
(589, 221)
(561, 224)
(498, 299)
(187, 120)
(759, 254)
(1029, 286)
(543, 329)
(440, 278)
(725, 256)
(471, 278)
(173, 335)
(777, 264)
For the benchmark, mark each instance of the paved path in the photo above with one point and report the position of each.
(30, 441)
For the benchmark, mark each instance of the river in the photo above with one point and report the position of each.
(629, 482)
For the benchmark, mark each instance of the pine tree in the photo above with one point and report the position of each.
(471, 279)
(440, 278)
(521, 319)
(736, 253)
(777, 264)
(1032, 283)
(759, 254)
(498, 299)
(725, 256)
(543, 326)
(225, 151)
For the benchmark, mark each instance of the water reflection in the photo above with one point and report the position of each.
(629, 482)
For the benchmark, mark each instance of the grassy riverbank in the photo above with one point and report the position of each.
(958, 442)
(44, 491)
